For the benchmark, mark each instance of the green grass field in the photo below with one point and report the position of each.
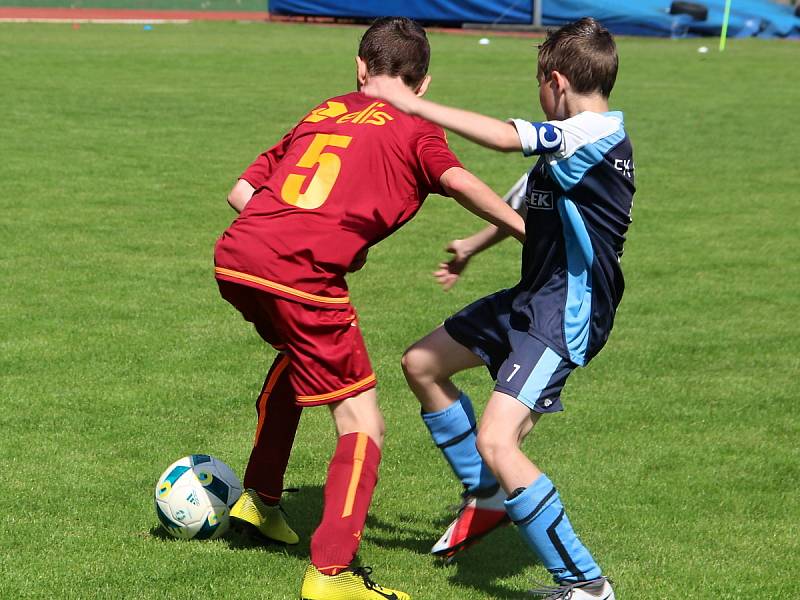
(678, 452)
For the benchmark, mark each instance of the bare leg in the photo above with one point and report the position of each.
(534, 503)
(505, 423)
(429, 364)
(447, 413)
(359, 414)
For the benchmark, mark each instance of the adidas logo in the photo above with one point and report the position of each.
(192, 497)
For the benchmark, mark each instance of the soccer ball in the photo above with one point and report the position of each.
(194, 497)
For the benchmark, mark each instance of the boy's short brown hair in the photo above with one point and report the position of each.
(583, 51)
(398, 47)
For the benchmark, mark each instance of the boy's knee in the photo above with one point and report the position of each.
(493, 448)
(380, 431)
(416, 365)
(374, 426)
(360, 414)
(488, 447)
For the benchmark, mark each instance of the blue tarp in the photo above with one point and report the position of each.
(776, 19)
(441, 11)
(762, 18)
(651, 17)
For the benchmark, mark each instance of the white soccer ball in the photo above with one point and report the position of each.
(194, 497)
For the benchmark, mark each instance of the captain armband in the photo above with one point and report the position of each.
(539, 138)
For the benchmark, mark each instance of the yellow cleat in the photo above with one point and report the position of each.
(350, 584)
(267, 521)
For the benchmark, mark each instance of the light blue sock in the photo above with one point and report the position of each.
(538, 513)
(454, 431)
(466, 404)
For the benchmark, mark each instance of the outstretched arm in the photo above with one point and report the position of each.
(449, 272)
(505, 136)
(483, 130)
(486, 131)
(478, 198)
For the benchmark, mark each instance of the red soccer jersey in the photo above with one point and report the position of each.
(349, 174)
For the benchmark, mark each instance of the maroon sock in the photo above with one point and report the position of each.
(352, 475)
(278, 417)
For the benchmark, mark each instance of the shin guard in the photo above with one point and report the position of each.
(454, 431)
(538, 513)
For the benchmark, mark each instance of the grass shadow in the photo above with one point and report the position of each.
(411, 535)
(502, 554)
(303, 509)
(161, 534)
(303, 513)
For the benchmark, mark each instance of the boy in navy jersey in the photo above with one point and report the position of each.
(579, 197)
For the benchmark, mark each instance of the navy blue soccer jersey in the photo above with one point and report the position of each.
(579, 200)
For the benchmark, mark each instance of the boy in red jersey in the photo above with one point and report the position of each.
(354, 170)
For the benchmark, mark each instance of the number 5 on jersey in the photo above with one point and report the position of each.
(322, 182)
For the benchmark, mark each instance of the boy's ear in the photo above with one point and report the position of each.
(559, 81)
(361, 72)
(423, 87)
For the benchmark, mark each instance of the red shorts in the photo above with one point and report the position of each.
(328, 360)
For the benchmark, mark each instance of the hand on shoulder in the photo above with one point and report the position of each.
(393, 90)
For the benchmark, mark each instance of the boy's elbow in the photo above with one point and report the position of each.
(240, 195)
(235, 202)
(507, 141)
(456, 181)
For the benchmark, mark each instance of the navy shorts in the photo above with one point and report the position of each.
(522, 365)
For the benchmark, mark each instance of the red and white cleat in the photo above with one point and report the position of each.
(477, 516)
